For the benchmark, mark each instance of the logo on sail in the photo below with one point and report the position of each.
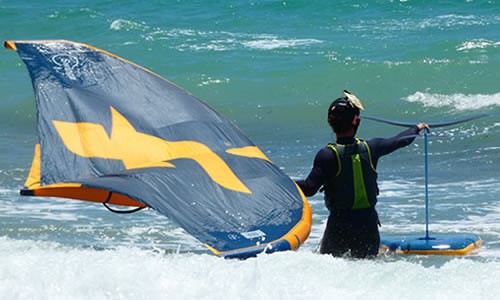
(66, 64)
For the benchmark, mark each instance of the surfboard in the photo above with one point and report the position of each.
(453, 244)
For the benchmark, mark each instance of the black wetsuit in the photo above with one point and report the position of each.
(354, 231)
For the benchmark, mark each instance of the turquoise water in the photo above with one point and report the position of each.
(271, 67)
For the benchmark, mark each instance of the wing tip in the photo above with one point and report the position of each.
(10, 45)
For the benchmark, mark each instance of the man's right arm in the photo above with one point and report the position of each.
(325, 164)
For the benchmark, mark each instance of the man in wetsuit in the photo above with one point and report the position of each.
(347, 172)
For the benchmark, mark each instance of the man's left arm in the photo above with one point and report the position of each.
(384, 146)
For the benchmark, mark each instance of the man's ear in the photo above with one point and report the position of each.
(356, 121)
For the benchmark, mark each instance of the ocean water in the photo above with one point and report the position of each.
(271, 67)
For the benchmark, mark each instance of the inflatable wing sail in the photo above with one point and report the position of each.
(113, 132)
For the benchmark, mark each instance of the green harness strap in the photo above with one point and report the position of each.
(360, 196)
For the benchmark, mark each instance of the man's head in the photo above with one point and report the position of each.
(343, 113)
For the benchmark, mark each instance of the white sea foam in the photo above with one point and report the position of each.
(396, 188)
(273, 42)
(197, 40)
(391, 27)
(208, 80)
(34, 270)
(122, 24)
(64, 210)
(259, 43)
(456, 101)
(477, 44)
(453, 20)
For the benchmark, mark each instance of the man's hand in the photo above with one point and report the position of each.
(422, 126)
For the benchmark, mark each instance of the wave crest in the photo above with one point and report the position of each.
(457, 101)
